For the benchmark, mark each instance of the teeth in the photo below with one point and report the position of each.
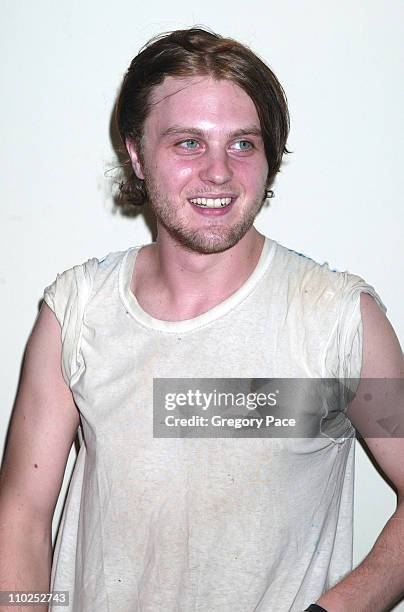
(211, 203)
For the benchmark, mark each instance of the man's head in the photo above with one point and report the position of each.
(202, 117)
(199, 52)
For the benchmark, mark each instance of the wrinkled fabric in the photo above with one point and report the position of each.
(204, 525)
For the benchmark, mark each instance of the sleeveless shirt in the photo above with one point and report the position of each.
(203, 525)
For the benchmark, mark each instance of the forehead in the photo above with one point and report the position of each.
(201, 101)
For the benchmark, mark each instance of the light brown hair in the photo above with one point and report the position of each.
(200, 52)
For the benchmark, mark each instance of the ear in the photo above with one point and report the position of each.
(135, 158)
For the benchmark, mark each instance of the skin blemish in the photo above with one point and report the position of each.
(35, 465)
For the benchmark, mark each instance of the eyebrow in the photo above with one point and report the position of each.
(180, 129)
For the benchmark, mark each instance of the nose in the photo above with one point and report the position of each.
(216, 168)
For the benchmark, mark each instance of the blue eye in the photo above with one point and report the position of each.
(245, 145)
(188, 141)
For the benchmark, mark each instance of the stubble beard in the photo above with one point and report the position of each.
(214, 237)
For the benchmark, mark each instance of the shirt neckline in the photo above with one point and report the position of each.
(133, 307)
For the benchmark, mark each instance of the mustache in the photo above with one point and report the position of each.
(211, 192)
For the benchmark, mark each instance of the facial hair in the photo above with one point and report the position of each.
(212, 237)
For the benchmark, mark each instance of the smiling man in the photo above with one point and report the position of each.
(203, 163)
(215, 523)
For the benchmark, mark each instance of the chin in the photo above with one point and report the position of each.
(198, 242)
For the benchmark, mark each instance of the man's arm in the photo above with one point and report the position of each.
(42, 429)
(377, 583)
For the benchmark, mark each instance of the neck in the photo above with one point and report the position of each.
(191, 280)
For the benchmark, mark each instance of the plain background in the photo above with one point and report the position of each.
(337, 198)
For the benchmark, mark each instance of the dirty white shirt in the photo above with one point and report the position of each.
(216, 524)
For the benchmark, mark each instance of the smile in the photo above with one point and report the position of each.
(211, 202)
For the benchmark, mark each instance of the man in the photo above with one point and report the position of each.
(169, 523)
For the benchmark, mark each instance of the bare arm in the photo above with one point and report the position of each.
(378, 582)
(42, 429)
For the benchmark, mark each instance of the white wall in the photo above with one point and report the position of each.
(337, 199)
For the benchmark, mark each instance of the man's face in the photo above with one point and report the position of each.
(202, 148)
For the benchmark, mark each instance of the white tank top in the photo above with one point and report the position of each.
(214, 524)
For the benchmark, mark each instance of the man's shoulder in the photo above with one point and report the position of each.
(107, 262)
(311, 278)
(113, 257)
(86, 272)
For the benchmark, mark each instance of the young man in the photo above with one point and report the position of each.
(211, 524)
